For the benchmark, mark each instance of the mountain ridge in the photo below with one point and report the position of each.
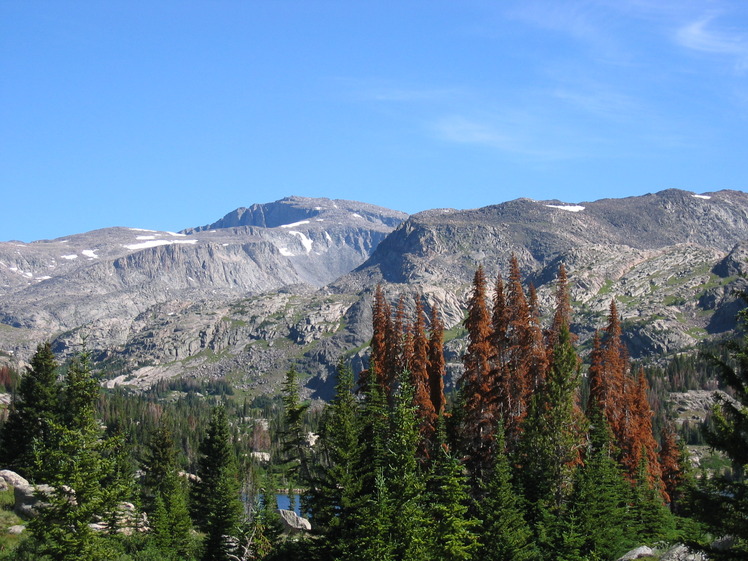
(235, 296)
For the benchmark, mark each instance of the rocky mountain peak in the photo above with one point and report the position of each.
(292, 211)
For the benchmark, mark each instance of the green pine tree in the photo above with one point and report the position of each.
(721, 502)
(652, 518)
(600, 500)
(33, 409)
(549, 448)
(215, 500)
(505, 533)
(293, 437)
(452, 532)
(83, 468)
(335, 486)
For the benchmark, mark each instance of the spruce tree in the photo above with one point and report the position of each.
(452, 532)
(475, 384)
(82, 467)
(436, 363)
(419, 379)
(32, 410)
(293, 437)
(335, 486)
(505, 532)
(165, 496)
(722, 501)
(600, 499)
(550, 446)
(404, 480)
(215, 500)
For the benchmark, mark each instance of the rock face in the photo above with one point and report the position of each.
(292, 281)
(109, 283)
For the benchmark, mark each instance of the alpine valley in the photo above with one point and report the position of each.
(291, 282)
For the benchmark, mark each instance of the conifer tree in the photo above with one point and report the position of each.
(32, 410)
(537, 352)
(81, 466)
(722, 501)
(600, 499)
(419, 377)
(165, 496)
(451, 530)
(397, 351)
(436, 362)
(505, 533)
(474, 385)
(335, 487)
(550, 446)
(381, 327)
(652, 519)
(562, 310)
(160, 459)
(521, 350)
(671, 463)
(404, 481)
(294, 439)
(215, 501)
(638, 439)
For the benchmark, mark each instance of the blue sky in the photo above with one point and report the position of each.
(166, 115)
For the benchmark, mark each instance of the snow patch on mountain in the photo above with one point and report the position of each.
(305, 241)
(570, 208)
(155, 243)
(294, 224)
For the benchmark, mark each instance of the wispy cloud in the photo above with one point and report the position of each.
(704, 36)
(601, 101)
(510, 135)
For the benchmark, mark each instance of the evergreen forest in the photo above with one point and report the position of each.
(535, 454)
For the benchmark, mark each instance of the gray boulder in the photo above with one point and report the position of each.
(293, 523)
(638, 553)
(681, 552)
(27, 500)
(12, 478)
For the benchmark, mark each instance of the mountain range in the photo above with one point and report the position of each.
(291, 282)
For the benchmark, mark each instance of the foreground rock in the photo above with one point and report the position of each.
(28, 500)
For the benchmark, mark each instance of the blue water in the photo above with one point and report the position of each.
(284, 503)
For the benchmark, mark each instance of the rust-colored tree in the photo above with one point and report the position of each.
(437, 367)
(381, 327)
(420, 376)
(537, 353)
(624, 402)
(607, 374)
(474, 383)
(562, 311)
(519, 357)
(670, 462)
(637, 439)
(396, 353)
